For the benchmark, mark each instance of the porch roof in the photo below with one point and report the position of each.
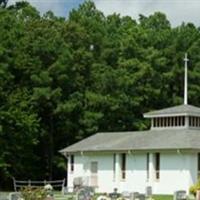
(180, 110)
(140, 140)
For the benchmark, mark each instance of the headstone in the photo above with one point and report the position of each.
(85, 193)
(64, 190)
(80, 195)
(114, 195)
(141, 197)
(180, 195)
(148, 192)
(126, 195)
(134, 195)
(77, 183)
(138, 196)
(3, 196)
(14, 196)
(102, 197)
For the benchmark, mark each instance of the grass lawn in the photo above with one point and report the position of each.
(57, 196)
(163, 197)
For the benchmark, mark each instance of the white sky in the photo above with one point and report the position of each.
(177, 11)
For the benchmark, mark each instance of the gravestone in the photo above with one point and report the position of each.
(85, 193)
(3, 196)
(102, 197)
(180, 195)
(134, 195)
(90, 190)
(14, 196)
(138, 196)
(141, 197)
(114, 195)
(126, 195)
(77, 184)
(148, 192)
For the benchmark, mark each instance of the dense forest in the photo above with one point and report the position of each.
(62, 80)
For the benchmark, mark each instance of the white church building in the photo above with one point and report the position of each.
(166, 157)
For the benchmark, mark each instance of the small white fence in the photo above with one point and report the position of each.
(57, 184)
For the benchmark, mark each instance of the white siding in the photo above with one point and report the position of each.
(177, 172)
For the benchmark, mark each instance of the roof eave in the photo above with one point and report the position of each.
(170, 115)
(128, 150)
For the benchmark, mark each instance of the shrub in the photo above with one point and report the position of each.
(195, 187)
(32, 193)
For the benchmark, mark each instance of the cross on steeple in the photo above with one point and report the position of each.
(186, 80)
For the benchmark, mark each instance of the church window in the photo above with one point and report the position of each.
(72, 163)
(198, 167)
(114, 167)
(123, 166)
(157, 165)
(147, 166)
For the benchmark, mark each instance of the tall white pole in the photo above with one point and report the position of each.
(186, 80)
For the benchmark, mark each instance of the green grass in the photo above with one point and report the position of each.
(155, 197)
(163, 197)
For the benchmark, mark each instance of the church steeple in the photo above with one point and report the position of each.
(186, 80)
(181, 116)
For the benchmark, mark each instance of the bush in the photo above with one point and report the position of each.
(32, 193)
(195, 187)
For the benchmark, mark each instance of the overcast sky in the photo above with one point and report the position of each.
(177, 11)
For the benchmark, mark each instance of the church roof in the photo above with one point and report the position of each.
(140, 140)
(181, 110)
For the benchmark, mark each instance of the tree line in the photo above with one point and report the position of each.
(62, 80)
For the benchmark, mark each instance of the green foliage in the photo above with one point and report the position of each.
(62, 80)
(193, 189)
(31, 193)
(3, 3)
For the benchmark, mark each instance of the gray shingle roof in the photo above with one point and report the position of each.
(140, 140)
(175, 111)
